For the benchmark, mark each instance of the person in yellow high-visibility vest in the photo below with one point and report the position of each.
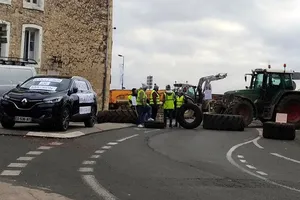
(141, 107)
(154, 101)
(168, 105)
(180, 100)
(133, 94)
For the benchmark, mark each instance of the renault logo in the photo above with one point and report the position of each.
(24, 101)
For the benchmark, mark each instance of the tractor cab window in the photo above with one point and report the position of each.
(258, 81)
(275, 80)
(191, 92)
(288, 81)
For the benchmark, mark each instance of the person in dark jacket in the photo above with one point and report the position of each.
(154, 101)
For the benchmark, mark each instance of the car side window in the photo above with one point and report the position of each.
(81, 85)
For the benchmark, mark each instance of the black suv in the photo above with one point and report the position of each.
(51, 101)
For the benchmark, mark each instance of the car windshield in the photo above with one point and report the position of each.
(47, 84)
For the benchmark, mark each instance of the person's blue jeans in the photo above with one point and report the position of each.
(148, 112)
(141, 114)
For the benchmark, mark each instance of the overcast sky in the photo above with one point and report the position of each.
(185, 40)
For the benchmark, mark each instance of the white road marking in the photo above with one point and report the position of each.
(262, 173)
(230, 159)
(11, 173)
(106, 147)
(44, 148)
(251, 167)
(34, 153)
(17, 165)
(127, 138)
(25, 158)
(240, 156)
(91, 181)
(260, 132)
(243, 161)
(89, 162)
(255, 142)
(112, 143)
(55, 143)
(86, 169)
(56, 135)
(100, 151)
(95, 156)
(286, 158)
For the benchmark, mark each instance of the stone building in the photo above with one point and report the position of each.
(65, 37)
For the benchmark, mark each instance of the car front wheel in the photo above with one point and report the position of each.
(91, 121)
(7, 123)
(64, 120)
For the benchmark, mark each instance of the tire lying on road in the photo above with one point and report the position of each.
(154, 124)
(117, 116)
(223, 122)
(197, 114)
(279, 131)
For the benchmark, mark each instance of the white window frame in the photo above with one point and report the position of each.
(39, 6)
(7, 45)
(40, 41)
(8, 2)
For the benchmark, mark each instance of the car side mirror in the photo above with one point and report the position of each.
(75, 90)
(18, 86)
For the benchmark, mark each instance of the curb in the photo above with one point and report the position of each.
(70, 135)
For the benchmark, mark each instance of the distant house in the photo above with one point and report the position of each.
(66, 37)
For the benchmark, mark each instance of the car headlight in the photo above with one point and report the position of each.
(53, 100)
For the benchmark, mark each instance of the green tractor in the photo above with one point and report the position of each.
(270, 92)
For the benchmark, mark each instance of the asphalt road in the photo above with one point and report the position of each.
(156, 164)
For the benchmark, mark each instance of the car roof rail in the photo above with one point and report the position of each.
(17, 61)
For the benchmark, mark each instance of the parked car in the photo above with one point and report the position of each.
(14, 71)
(50, 101)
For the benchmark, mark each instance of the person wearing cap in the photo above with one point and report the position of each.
(141, 105)
(154, 101)
(180, 100)
(168, 105)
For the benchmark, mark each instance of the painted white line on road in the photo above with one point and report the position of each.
(25, 158)
(240, 156)
(112, 143)
(95, 156)
(127, 138)
(89, 162)
(286, 158)
(255, 142)
(262, 173)
(231, 160)
(55, 143)
(17, 165)
(34, 153)
(100, 151)
(56, 135)
(251, 167)
(86, 169)
(260, 132)
(243, 161)
(11, 173)
(91, 181)
(44, 148)
(152, 131)
(106, 147)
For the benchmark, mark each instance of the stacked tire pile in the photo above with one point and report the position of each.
(117, 116)
(279, 131)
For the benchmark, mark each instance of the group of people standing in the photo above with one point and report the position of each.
(147, 108)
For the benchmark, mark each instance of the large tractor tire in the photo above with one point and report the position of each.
(117, 116)
(154, 124)
(219, 107)
(279, 131)
(291, 105)
(197, 114)
(223, 122)
(241, 107)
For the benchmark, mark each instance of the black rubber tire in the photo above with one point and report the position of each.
(235, 106)
(7, 123)
(154, 124)
(92, 119)
(279, 131)
(219, 107)
(288, 100)
(223, 122)
(197, 114)
(62, 123)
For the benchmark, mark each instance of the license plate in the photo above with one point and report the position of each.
(23, 119)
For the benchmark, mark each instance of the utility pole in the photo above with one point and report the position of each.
(122, 71)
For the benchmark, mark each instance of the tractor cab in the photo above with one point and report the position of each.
(189, 91)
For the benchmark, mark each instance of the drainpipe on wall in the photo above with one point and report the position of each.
(106, 57)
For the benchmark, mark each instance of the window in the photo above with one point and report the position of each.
(6, 2)
(34, 4)
(258, 81)
(32, 42)
(81, 85)
(275, 79)
(47, 84)
(4, 47)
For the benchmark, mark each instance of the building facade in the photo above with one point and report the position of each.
(65, 37)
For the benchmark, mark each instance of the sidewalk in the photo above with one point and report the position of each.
(11, 192)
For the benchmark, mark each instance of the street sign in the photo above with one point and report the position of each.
(150, 82)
